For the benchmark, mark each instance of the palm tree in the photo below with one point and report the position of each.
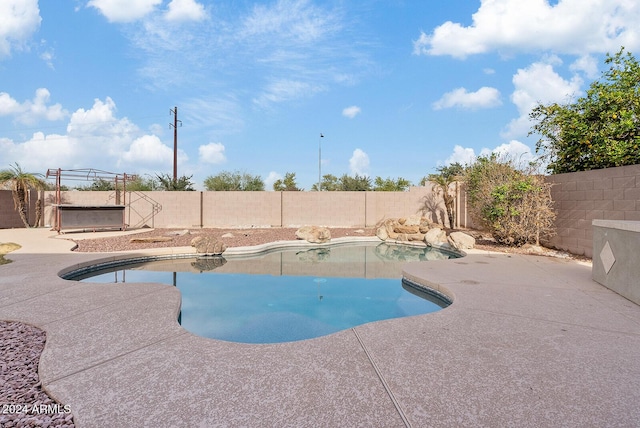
(21, 182)
(447, 175)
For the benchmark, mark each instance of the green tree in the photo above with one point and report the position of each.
(286, 184)
(99, 185)
(141, 184)
(20, 183)
(443, 180)
(390, 185)
(358, 182)
(599, 130)
(230, 181)
(329, 183)
(167, 183)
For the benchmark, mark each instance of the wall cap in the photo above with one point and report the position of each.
(628, 225)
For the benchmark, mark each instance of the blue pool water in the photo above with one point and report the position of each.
(288, 295)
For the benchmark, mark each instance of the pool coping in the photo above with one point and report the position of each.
(528, 341)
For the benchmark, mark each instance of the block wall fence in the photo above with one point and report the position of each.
(160, 209)
(579, 198)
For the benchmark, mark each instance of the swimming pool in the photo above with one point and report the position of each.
(289, 294)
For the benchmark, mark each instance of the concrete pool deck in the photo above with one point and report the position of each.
(529, 342)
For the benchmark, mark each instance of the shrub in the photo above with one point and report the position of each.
(514, 206)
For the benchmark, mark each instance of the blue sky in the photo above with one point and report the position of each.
(396, 87)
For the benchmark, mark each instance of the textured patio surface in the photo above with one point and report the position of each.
(528, 342)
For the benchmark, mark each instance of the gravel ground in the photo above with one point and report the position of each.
(256, 236)
(23, 403)
(231, 237)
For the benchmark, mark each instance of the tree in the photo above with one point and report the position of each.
(99, 185)
(286, 184)
(446, 176)
(229, 181)
(21, 183)
(141, 184)
(390, 185)
(358, 182)
(167, 183)
(599, 130)
(329, 183)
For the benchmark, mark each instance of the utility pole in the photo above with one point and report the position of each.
(175, 142)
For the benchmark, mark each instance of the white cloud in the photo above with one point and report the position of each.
(586, 64)
(536, 84)
(48, 56)
(297, 21)
(570, 26)
(124, 10)
(8, 105)
(351, 112)
(148, 150)
(95, 138)
(484, 97)
(519, 152)
(286, 90)
(461, 155)
(30, 111)
(19, 19)
(212, 153)
(514, 150)
(185, 10)
(359, 163)
(41, 152)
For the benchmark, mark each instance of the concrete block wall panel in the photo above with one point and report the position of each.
(178, 209)
(9, 217)
(242, 209)
(581, 197)
(338, 209)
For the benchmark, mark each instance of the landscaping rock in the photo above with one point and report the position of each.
(435, 237)
(461, 241)
(381, 232)
(404, 228)
(208, 245)
(314, 234)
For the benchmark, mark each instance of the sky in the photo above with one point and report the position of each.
(397, 88)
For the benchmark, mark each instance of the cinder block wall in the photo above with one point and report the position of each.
(9, 217)
(254, 209)
(241, 209)
(580, 197)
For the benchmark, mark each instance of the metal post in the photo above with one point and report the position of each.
(175, 142)
(320, 160)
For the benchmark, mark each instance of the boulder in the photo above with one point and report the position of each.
(208, 245)
(411, 228)
(404, 228)
(314, 234)
(435, 237)
(415, 236)
(461, 240)
(414, 220)
(381, 232)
